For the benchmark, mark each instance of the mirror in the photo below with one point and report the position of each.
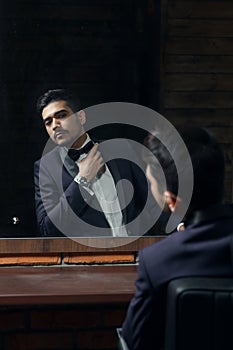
(101, 49)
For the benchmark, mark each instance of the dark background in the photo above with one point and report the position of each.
(104, 50)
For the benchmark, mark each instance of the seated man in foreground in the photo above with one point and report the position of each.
(201, 248)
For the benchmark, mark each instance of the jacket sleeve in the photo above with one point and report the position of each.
(57, 213)
(143, 327)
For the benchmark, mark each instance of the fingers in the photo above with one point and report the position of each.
(94, 149)
(98, 157)
(91, 164)
(101, 171)
(95, 154)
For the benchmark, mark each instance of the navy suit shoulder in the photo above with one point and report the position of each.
(203, 249)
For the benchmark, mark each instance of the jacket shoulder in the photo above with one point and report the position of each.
(52, 155)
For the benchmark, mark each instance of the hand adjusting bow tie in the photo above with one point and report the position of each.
(76, 153)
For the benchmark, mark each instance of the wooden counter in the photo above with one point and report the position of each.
(66, 285)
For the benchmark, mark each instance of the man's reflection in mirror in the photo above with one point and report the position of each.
(77, 192)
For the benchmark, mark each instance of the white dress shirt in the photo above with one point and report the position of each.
(104, 189)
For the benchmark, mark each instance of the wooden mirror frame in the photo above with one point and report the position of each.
(68, 245)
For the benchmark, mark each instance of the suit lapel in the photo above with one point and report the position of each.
(113, 165)
(68, 163)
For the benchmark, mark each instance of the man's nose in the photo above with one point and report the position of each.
(55, 123)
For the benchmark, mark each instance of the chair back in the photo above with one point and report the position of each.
(199, 314)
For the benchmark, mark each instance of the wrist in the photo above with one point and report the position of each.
(83, 181)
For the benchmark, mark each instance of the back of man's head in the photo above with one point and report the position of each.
(58, 95)
(207, 160)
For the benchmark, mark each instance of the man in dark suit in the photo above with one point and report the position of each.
(78, 191)
(201, 248)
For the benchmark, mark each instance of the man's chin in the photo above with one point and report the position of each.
(62, 143)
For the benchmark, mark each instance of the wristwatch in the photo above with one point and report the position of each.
(81, 180)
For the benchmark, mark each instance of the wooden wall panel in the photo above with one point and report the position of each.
(198, 63)
(214, 27)
(200, 9)
(203, 99)
(199, 82)
(197, 70)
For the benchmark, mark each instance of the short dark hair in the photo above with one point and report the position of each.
(207, 159)
(57, 95)
(161, 163)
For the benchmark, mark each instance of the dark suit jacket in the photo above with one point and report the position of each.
(203, 249)
(64, 207)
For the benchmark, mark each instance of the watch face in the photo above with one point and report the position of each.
(83, 181)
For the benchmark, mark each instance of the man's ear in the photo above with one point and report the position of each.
(171, 200)
(82, 116)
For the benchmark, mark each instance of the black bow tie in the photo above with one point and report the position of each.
(76, 153)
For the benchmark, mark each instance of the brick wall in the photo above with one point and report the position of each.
(65, 259)
(69, 327)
